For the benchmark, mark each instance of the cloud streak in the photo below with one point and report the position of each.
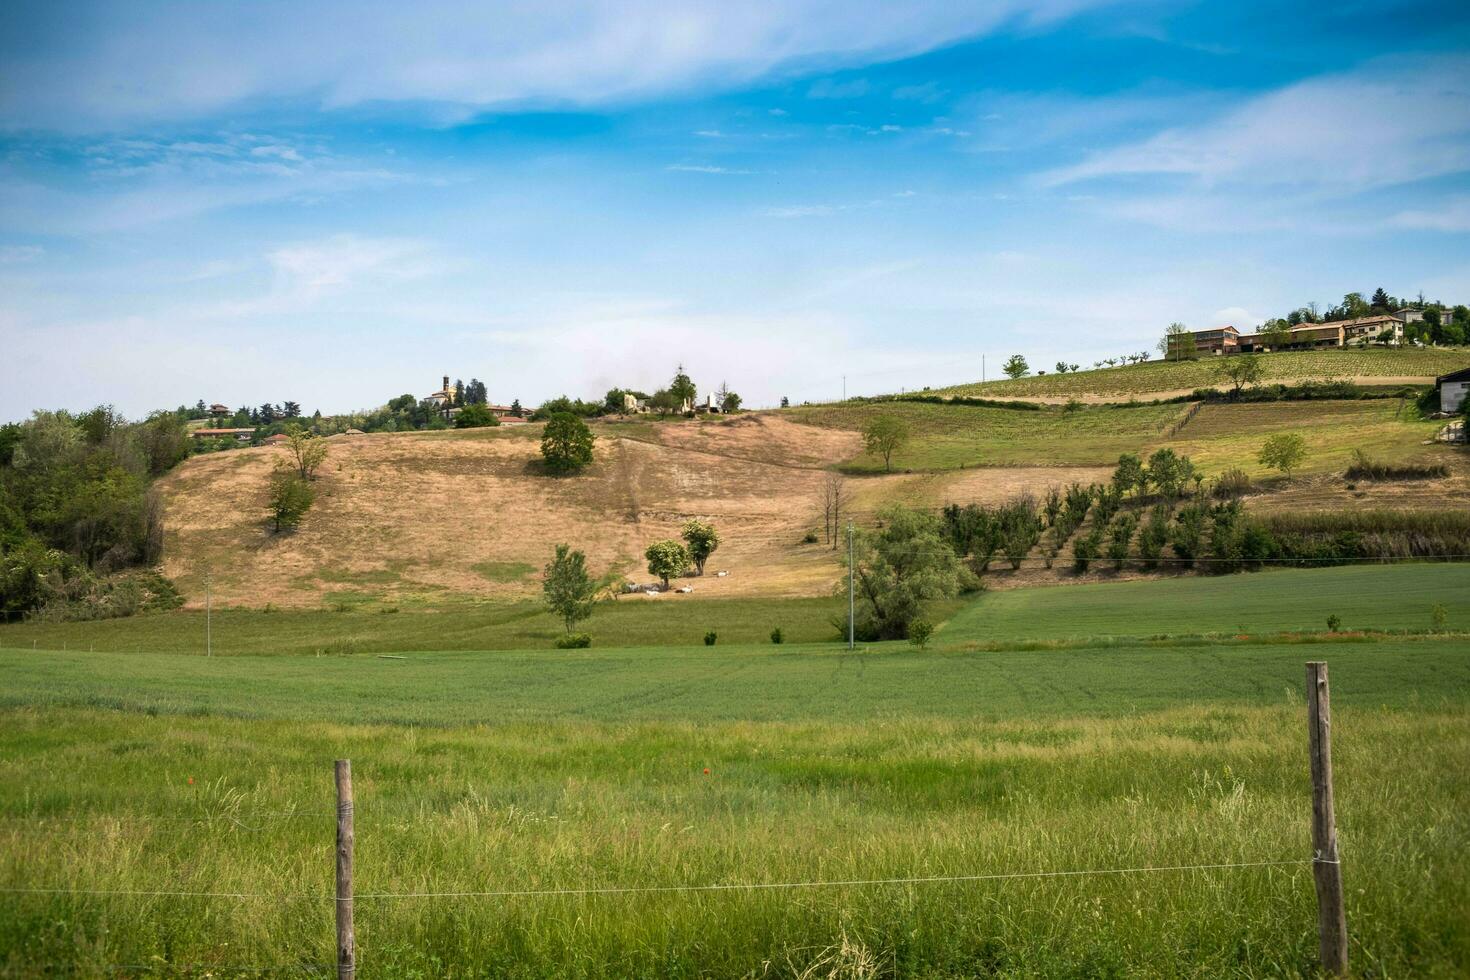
(119, 61)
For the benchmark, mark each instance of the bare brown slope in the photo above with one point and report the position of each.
(414, 516)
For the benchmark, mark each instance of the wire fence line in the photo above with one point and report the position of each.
(601, 890)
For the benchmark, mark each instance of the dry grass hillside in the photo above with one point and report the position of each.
(410, 517)
(429, 518)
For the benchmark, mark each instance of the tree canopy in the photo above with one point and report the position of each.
(885, 435)
(566, 445)
(896, 569)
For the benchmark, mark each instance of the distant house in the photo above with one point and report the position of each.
(354, 432)
(1453, 388)
(1217, 340)
(1366, 329)
(239, 435)
(1407, 316)
(276, 439)
(221, 411)
(1316, 335)
(633, 405)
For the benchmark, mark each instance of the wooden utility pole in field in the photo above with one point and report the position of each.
(1326, 869)
(346, 944)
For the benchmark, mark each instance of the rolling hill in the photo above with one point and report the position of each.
(424, 519)
(1155, 379)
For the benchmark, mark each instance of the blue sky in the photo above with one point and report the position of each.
(338, 202)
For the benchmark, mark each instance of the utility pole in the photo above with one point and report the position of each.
(844, 387)
(208, 614)
(982, 368)
(850, 605)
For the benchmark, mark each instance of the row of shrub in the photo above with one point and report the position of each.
(1306, 391)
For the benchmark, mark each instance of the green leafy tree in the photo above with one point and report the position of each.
(896, 569)
(885, 435)
(1240, 371)
(1169, 472)
(730, 403)
(1016, 367)
(663, 402)
(701, 539)
(1130, 474)
(666, 559)
(566, 445)
(1283, 451)
(682, 389)
(1276, 334)
(1178, 343)
(307, 451)
(291, 496)
(474, 416)
(569, 590)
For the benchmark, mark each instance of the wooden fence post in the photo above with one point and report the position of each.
(1331, 916)
(346, 945)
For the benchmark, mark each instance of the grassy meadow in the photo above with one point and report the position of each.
(1217, 438)
(1135, 741)
(948, 437)
(1285, 368)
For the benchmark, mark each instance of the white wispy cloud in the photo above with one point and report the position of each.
(695, 168)
(118, 63)
(1452, 216)
(338, 261)
(1387, 122)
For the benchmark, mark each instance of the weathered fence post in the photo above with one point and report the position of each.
(1331, 916)
(346, 946)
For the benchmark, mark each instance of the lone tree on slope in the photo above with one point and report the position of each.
(884, 435)
(566, 445)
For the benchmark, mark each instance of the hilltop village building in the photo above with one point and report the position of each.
(444, 400)
(1305, 336)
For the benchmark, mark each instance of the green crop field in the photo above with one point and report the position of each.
(951, 436)
(483, 775)
(368, 628)
(1365, 597)
(1224, 436)
(1285, 367)
(1219, 437)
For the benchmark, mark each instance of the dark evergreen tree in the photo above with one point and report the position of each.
(1380, 299)
(290, 410)
(458, 392)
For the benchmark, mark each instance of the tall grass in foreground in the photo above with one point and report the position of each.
(92, 799)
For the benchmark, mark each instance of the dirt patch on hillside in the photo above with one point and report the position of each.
(417, 517)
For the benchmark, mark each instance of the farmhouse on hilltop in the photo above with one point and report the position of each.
(1334, 333)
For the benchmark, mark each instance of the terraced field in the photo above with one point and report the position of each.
(1159, 377)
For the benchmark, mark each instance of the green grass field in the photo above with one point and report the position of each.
(1365, 597)
(1222, 437)
(665, 765)
(1219, 437)
(1285, 367)
(950, 436)
(366, 628)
